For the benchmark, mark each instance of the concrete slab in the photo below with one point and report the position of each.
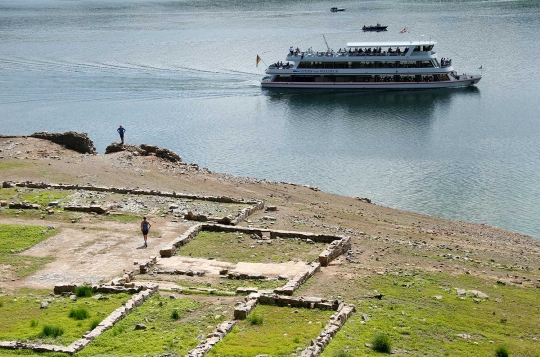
(213, 267)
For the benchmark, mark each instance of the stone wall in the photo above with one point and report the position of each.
(212, 338)
(334, 250)
(146, 292)
(315, 237)
(343, 313)
(257, 204)
(132, 191)
(242, 309)
(170, 249)
(338, 244)
(317, 346)
(79, 142)
(299, 279)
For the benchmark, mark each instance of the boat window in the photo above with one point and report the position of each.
(283, 79)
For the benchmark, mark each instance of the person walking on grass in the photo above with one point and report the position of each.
(145, 227)
(121, 131)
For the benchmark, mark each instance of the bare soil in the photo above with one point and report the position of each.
(384, 239)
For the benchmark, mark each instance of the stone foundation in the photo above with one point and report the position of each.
(334, 250)
(337, 321)
(145, 292)
(227, 220)
(169, 250)
(298, 279)
(214, 337)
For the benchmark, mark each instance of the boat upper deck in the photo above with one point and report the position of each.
(391, 44)
(417, 49)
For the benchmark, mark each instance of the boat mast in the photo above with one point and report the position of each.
(327, 47)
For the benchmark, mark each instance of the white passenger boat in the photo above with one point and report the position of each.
(368, 65)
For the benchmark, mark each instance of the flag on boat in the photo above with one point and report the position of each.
(404, 30)
(480, 67)
(257, 61)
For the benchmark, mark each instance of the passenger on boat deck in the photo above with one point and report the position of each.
(291, 50)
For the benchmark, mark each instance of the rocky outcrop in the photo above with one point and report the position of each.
(144, 150)
(165, 154)
(79, 142)
(117, 147)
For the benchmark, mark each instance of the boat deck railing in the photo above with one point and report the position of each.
(312, 54)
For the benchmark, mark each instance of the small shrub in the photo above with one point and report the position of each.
(296, 339)
(52, 331)
(255, 319)
(1, 303)
(501, 352)
(94, 324)
(83, 291)
(33, 323)
(175, 315)
(381, 343)
(79, 313)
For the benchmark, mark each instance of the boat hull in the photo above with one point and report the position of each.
(373, 85)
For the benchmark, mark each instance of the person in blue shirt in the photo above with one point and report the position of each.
(121, 131)
(145, 227)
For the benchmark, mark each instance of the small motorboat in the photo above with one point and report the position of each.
(376, 28)
(336, 9)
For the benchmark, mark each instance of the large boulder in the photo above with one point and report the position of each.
(79, 142)
(118, 147)
(160, 152)
(144, 150)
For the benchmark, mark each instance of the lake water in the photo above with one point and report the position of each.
(182, 75)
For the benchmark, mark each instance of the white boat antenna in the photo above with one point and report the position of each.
(327, 47)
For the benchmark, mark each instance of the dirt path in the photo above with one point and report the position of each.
(97, 253)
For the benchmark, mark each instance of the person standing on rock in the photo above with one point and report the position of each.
(121, 131)
(145, 227)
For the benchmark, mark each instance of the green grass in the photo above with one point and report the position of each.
(228, 247)
(43, 197)
(230, 285)
(94, 324)
(17, 238)
(341, 354)
(501, 352)
(83, 291)
(79, 313)
(417, 322)
(12, 165)
(284, 331)
(51, 331)
(163, 334)
(255, 319)
(22, 265)
(223, 286)
(22, 319)
(381, 343)
(39, 196)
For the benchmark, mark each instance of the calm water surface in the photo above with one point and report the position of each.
(182, 75)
